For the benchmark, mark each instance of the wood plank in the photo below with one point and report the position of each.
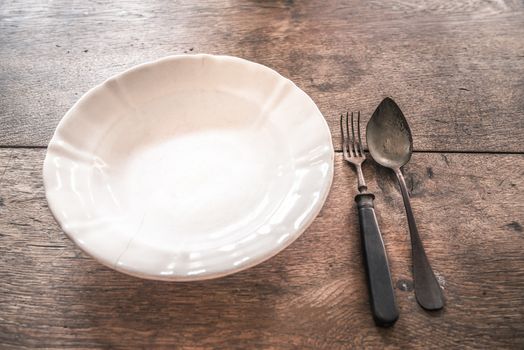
(455, 68)
(312, 295)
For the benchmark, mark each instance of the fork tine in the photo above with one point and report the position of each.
(360, 146)
(353, 140)
(349, 139)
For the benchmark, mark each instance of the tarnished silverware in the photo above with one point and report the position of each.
(390, 143)
(382, 297)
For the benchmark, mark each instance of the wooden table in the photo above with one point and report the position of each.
(456, 68)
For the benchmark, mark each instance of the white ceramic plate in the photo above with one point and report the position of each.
(188, 168)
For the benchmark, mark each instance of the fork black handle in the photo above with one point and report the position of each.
(381, 295)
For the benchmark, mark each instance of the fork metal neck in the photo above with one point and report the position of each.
(362, 187)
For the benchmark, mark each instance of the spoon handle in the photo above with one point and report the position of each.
(427, 290)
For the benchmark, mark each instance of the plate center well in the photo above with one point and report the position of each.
(190, 173)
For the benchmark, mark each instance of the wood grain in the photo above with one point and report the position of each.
(455, 68)
(311, 296)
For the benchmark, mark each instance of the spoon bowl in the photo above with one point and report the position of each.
(388, 135)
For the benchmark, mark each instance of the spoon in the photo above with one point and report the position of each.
(390, 144)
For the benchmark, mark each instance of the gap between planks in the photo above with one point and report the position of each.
(336, 151)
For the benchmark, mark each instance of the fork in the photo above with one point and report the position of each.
(382, 297)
